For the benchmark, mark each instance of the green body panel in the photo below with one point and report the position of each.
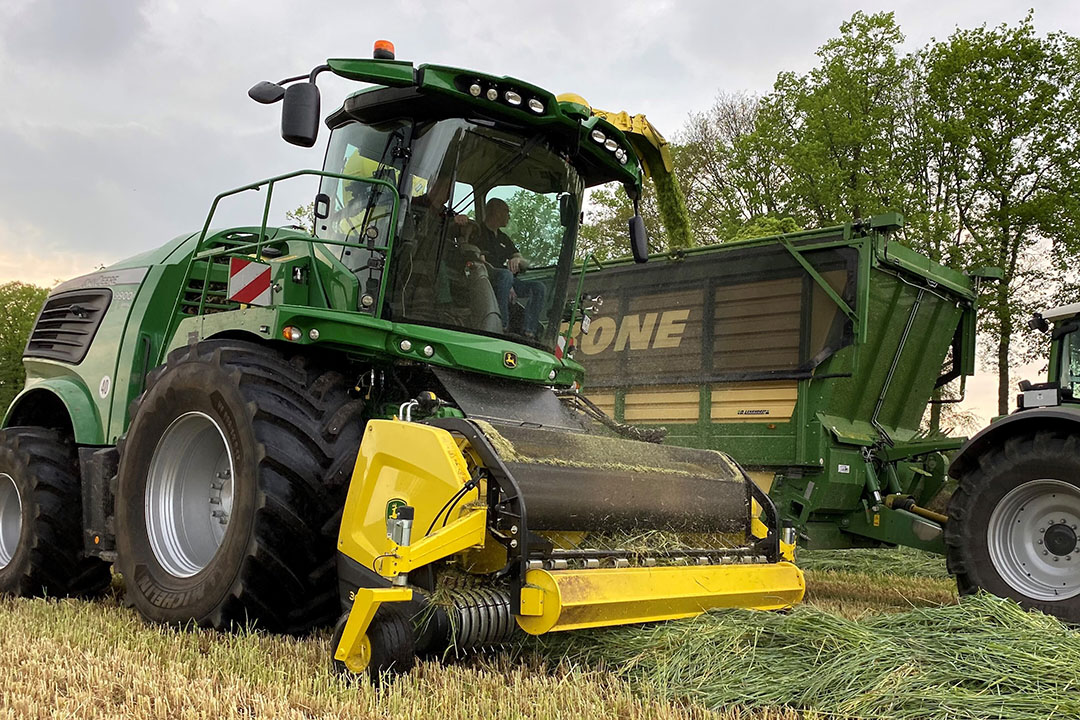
(69, 388)
(866, 399)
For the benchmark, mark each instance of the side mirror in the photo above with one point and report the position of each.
(567, 210)
(639, 239)
(300, 114)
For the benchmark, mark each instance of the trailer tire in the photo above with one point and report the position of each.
(1005, 532)
(270, 441)
(390, 645)
(41, 533)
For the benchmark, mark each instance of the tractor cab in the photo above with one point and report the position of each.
(1063, 385)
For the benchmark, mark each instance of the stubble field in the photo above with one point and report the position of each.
(865, 644)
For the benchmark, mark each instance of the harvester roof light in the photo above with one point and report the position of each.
(292, 333)
(367, 301)
(475, 89)
(513, 98)
(384, 50)
(405, 345)
(492, 94)
(598, 136)
(611, 145)
(536, 106)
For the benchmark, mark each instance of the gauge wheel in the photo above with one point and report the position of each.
(41, 533)
(1014, 523)
(386, 650)
(232, 475)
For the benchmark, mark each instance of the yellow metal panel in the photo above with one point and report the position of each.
(603, 400)
(675, 404)
(578, 599)
(400, 462)
(766, 401)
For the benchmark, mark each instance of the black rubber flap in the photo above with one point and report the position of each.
(497, 400)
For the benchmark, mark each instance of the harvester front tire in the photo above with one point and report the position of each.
(41, 534)
(390, 645)
(997, 536)
(290, 434)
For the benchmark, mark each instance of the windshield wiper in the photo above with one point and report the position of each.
(509, 164)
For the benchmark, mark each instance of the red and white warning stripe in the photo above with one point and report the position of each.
(249, 282)
(560, 347)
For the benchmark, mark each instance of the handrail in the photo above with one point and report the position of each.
(263, 239)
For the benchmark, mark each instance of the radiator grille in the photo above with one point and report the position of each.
(67, 325)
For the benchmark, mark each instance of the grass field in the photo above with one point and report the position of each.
(73, 659)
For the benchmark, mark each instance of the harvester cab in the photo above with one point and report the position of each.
(221, 402)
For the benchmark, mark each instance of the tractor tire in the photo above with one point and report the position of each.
(232, 479)
(41, 533)
(389, 650)
(1013, 523)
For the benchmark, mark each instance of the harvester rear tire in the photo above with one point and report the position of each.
(391, 642)
(1019, 480)
(41, 550)
(291, 433)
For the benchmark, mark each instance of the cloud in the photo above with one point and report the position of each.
(74, 33)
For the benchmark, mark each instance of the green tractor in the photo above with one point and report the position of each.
(194, 414)
(1017, 508)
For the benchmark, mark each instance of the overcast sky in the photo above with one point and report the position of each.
(121, 119)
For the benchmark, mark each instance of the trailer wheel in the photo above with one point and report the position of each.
(41, 537)
(232, 478)
(387, 649)
(1013, 524)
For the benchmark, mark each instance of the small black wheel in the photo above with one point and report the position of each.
(1014, 523)
(386, 650)
(41, 538)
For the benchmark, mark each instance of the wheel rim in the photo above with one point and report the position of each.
(1033, 539)
(189, 494)
(10, 519)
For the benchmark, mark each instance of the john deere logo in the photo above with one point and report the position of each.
(392, 505)
(510, 359)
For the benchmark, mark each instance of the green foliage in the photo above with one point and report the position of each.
(1006, 104)
(303, 217)
(20, 303)
(534, 226)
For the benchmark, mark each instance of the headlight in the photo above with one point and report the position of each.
(512, 97)
(536, 106)
(475, 90)
(611, 145)
(599, 136)
(492, 94)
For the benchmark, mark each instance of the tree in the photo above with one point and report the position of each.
(1006, 104)
(835, 131)
(21, 303)
(534, 225)
(303, 217)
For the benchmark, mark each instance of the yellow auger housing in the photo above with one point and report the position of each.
(457, 530)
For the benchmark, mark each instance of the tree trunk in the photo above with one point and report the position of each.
(1004, 387)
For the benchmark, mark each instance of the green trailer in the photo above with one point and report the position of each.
(810, 357)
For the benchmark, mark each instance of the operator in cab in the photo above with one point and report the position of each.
(507, 263)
